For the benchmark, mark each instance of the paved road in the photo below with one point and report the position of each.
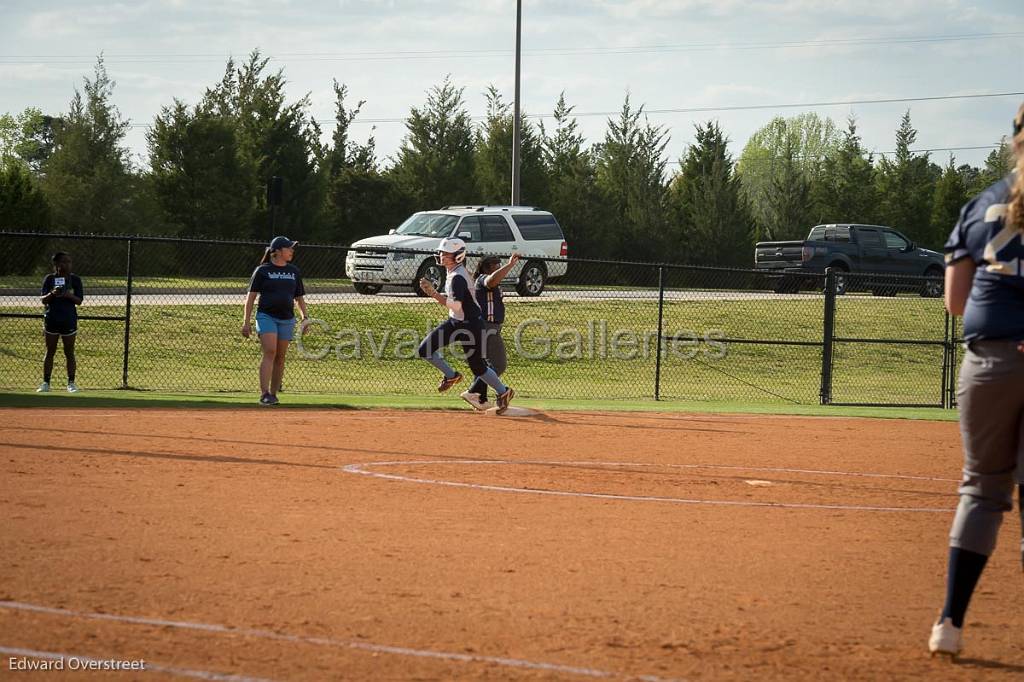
(353, 298)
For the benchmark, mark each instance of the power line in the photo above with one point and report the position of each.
(393, 55)
(748, 107)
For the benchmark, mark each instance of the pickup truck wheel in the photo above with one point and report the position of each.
(532, 279)
(933, 288)
(842, 281)
(367, 289)
(432, 271)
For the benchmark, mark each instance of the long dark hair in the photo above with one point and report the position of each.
(481, 267)
(266, 256)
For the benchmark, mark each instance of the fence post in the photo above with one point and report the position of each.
(127, 318)
(828, 333)
(946, 362)
(661, 317)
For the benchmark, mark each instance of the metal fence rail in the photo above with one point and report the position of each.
(164, 314)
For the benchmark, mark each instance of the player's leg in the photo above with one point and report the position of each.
(69, 356)
(285, 333)
(430, 350)
(51, 352)
(477, 393)
(481, 369)
(991, 398)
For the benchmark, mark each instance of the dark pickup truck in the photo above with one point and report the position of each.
(852, 248)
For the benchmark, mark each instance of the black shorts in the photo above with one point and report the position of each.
(60, 327)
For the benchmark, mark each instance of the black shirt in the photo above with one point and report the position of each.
(995, 307)
(278, 287)
(492, 306)
(62, 309)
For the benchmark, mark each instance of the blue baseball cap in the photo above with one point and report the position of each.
(281, 243)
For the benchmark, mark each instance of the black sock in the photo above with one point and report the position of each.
(965, 568)
(46, 378)
(71, 378)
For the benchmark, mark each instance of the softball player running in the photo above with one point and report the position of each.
(62, 293)
(463, 325)
(985, 284)
(488, 276)
(279, 286)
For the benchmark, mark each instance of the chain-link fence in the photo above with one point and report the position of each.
(165, 314)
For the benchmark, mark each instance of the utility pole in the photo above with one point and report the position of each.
(516, 124)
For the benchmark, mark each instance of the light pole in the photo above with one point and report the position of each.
(516, 128)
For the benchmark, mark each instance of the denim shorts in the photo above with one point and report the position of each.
(268, 324)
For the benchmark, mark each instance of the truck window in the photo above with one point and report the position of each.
(817, 234)
(496, 229)
(837, 233)
(428, 225)
(894, 241)
(869, 237)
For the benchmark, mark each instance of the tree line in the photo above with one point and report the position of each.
(208, 164)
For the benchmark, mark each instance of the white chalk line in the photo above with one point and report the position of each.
(359, 469)
(147, 667)
(324, 641)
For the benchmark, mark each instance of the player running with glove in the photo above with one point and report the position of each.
(463, 326)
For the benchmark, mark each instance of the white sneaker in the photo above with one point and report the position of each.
(72, 388)
(946, 639)
(43, 387)
(474, 400)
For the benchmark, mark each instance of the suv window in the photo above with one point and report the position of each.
(894, 241)
(817, 234)
(539, 226)
(869, 237)
(496, 229)
(428, 225)
(470, 224)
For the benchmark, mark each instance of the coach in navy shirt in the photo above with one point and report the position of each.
(278, 284)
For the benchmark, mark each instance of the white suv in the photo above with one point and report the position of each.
(374, 262)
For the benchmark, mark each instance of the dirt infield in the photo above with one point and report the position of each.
(326, 544)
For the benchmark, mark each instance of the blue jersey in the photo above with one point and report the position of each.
(492, 306)
(995, 307)
(278, 287)
(61, 310)
(457, 287)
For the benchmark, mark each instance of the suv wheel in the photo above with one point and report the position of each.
(367, 289)
(532, 279)
(432, 271)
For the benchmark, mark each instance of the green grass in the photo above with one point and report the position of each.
(131, 399)
(189, 285)
(198, 348)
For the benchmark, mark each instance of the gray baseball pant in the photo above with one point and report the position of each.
(991, 400)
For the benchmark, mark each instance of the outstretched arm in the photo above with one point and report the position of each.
(496, 277)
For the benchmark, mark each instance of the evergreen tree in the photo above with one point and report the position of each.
(434, 164)
(87, 178)
(22, 205)
(998, 163)
(574, 198)
(706, 194)
(950, 195)
(361, 201)
(846, 191)
(493, 160)
(905, 186)
(630, 174)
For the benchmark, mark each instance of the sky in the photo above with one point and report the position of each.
(737, 62)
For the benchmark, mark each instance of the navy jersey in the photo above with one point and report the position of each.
(457, 287)
(278, 287)
(492, 306)
(61, 309)
(995, 307)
